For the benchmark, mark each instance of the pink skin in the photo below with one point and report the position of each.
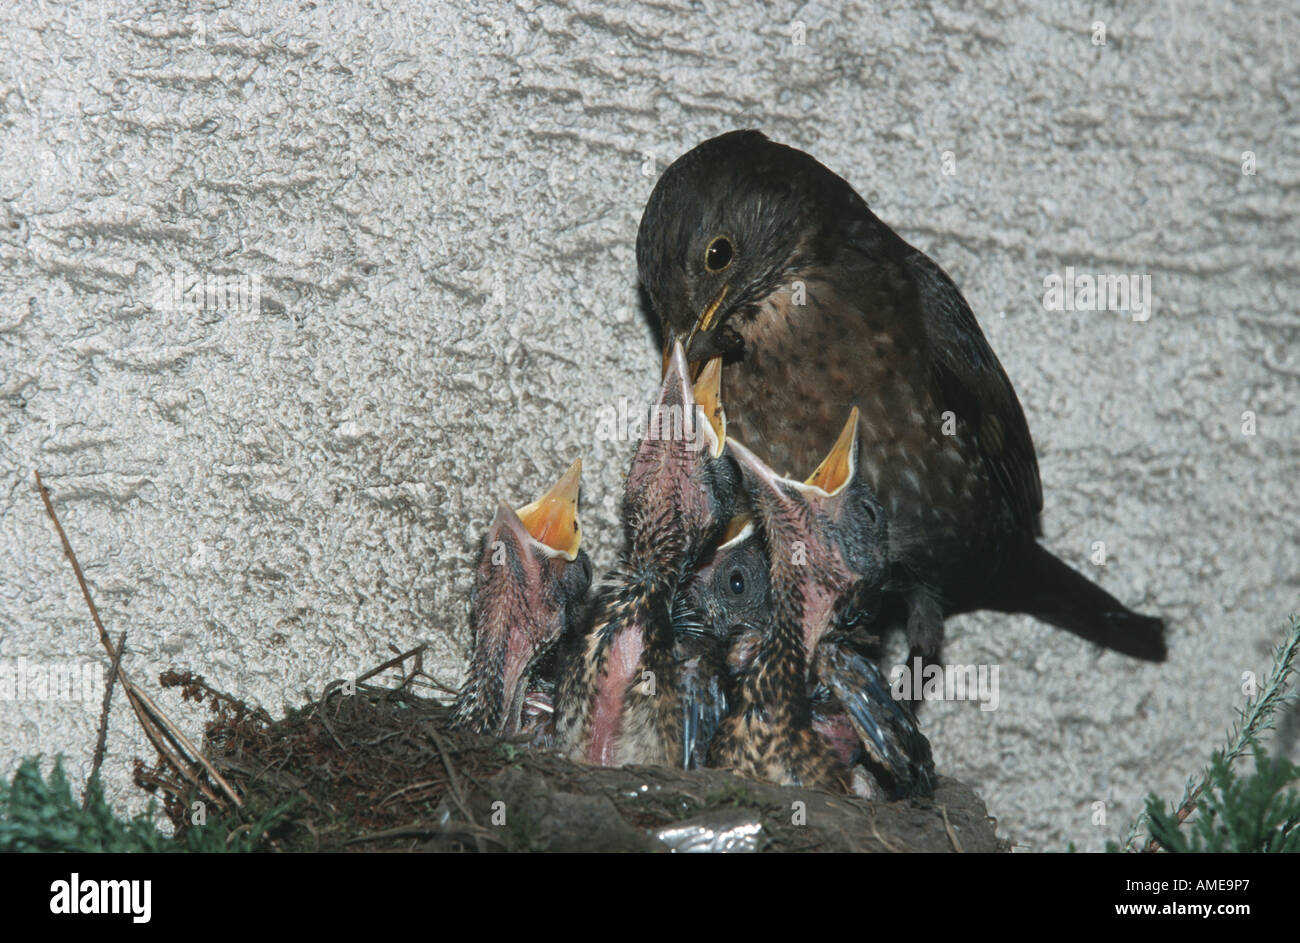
(522, 640)
(607, 706)
(838, 731)
(512, 626)
(663, 476)
(791, 535)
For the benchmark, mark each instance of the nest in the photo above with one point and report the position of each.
(373, 768)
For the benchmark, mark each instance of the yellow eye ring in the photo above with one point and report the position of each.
(718, 254)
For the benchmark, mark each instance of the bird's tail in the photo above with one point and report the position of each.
(1048, 589)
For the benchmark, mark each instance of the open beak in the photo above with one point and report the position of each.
(708, 396)
(758, 474)
(552, 520)
(738, 529)
(831, 476)
(838, 466)
(703, 323)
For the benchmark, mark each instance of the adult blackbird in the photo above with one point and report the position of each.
(756, 252)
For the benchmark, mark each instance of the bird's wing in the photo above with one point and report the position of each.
(704, 705)
(899, 754)
(975, 387)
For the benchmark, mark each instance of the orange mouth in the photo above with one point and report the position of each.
(552, 520)
(708, 396)
(837, 467)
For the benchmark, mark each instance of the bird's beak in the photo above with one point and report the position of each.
(708, 396)
(837, 468)
(830, 478)
(758, 474)
(552, 520)
(706, 393)
(705, 321)
(669, 342)
(738, 529)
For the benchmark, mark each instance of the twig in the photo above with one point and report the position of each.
(135, 696)
(158, 738)
(101, 739)
(478, 831)
(392, 663)
(952, 834)
(455, 784)
(171, 679)
(76, 567)
(875, 830)
(420, 785)
(177, 733)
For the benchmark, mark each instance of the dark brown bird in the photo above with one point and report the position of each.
(531, 577)
(619, 701)
(758, 253)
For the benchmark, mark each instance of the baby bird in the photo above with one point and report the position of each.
(531, 577)
(619, 699)
(725, 596)
(726, 609)
(826, 561)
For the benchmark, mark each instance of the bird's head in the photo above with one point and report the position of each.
(726, 599)
(826, 536)
(532, 574)
(729, 223)
(729, 590)
(681, 486)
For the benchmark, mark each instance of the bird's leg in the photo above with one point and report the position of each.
(924, 622)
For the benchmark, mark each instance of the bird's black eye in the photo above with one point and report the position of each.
(719, 254)
(736, 582)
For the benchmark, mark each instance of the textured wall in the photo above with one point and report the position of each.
(440, 205)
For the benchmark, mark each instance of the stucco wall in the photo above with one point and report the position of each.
(439, 208)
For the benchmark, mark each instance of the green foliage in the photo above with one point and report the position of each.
(1253, 814)
(36, 815)
(41, 815)
(1228, 813)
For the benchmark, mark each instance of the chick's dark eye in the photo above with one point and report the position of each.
(719, 254)
(736, 582)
